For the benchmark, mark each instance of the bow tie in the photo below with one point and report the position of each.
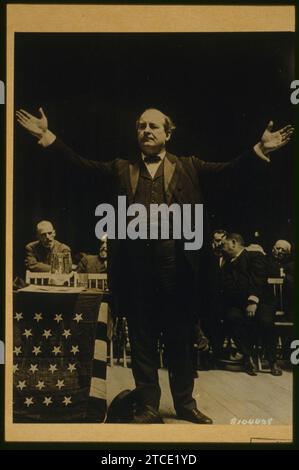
(152, 159)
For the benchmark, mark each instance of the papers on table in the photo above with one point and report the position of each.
(54, 289)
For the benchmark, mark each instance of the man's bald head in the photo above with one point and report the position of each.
(281, 249)
(45, 233)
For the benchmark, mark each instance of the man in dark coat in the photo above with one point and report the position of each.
(212, 323)
(95, 263)
(39, 253)
(157, 286)
(248, 302)
(281, 265)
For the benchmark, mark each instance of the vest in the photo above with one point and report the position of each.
(151, 191)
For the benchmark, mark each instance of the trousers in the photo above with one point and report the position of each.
(160, 308)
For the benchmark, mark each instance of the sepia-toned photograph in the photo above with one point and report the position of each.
(150, 211)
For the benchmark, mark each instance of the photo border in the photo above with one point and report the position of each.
(124, 18)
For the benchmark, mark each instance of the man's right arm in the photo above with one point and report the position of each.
(59, 150)
(270, 141)
(54, 147)
(33, 264)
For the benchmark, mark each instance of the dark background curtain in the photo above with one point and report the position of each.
(220, 89)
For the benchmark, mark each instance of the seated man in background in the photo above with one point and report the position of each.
(281, 260)
(248, 302)
(217, 245)
(95, 263)
(281, 265)
(212, 321)
(39, 253)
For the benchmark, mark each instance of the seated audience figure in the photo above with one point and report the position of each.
(95, 263)
(217, 245)
(248, 302)
(39, 253)
(281, 265)
(212, 322)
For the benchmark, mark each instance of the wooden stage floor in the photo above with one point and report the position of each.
(222, 395)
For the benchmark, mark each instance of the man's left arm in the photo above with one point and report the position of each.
(270, 142)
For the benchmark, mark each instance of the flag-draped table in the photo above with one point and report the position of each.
(60, 355)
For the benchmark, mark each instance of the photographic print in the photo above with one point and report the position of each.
(150, 223)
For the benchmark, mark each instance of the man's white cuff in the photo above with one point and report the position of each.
(47, 139)
(258, 150)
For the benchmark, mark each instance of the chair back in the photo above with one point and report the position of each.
(47, 279)
(97, 281)
(277, 283)
(40, 279)
(92, 280)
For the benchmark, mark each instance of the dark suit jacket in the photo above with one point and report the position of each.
(91, 264)
(183, 177)
(38, 258)
(244, 277)
(183, 181)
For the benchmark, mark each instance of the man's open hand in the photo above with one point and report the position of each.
(36, 126)
(271, 141)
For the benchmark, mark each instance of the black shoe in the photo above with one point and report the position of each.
(194, 416)
(121, 409)
(275, 370)
(250, 367)
(147, 415)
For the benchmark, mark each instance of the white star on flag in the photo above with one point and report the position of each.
(56, 350)
(36, 350)
(60, 384)
(66, 333)
(47, 333)
(78, 317)
(47, 401)
(15, 368)
(71, 367)
(67, 401)
(28, 401)
(33, 368)
(75, 349)
(58, 317)
(40, 384)
(27, 333)
(53, 368)
(21, 384)
(17, 350)
(18, 316)
(38, 317)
